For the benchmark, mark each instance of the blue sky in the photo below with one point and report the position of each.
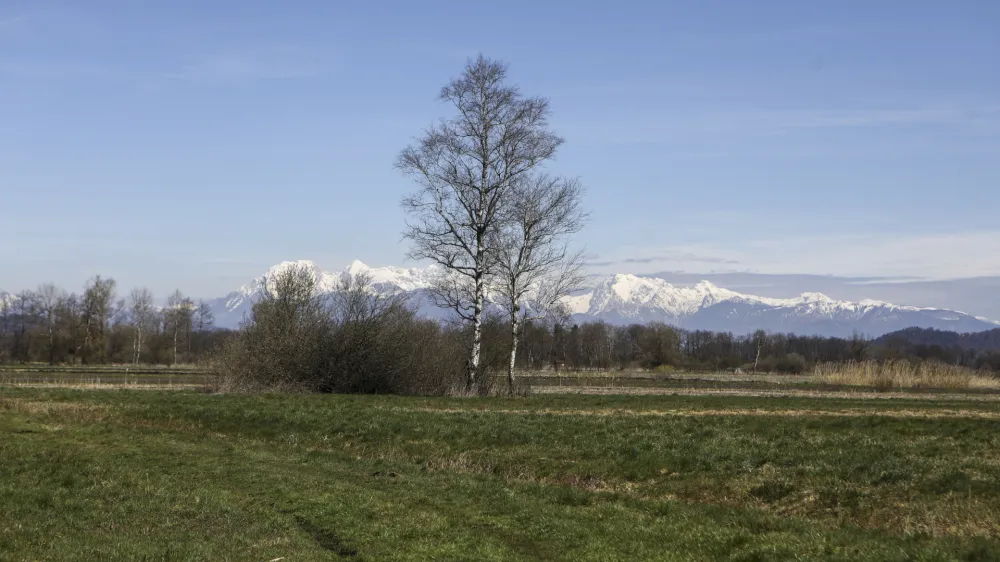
(193, 144)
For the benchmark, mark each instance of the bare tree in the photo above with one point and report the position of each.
(204, 319)
(759, 339)
(177, 319)
(25, 311)
(465, 167)
(48, 300)
(98, 309)
(535, 269)
(6, 313)
(141, 315)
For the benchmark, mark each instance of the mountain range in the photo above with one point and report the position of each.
(626, 299)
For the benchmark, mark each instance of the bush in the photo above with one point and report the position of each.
(355, 341)
(791, 364)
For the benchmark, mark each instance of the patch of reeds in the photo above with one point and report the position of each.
(889, 375)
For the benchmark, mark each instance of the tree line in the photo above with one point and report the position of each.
(657, 346)
(416, 355)
(100, 326)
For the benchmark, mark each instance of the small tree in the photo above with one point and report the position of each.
(142, 316)
(466, 167)
(284, 342)
(6, 312)
(49, 297)
(98, 308)
(26, 311)
(203, 321)
(759, 339)
(177, 318)
(535, 269)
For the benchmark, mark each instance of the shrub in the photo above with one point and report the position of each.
(354, 341)
(791, 364)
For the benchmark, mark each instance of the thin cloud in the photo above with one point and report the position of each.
(237, 68)
(866, 257)
(679, 127)
(666, 257)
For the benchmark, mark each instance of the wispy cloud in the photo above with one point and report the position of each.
(664, 257)
(883, 256)
(273, 64)
(666, 127)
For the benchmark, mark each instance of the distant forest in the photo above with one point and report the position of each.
(98, 327)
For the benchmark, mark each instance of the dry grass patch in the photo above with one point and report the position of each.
(888, 375)
(22, 406)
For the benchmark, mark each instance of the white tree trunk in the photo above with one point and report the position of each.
(477, 335)
(514, 329)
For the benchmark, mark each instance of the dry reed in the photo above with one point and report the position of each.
(888, 375)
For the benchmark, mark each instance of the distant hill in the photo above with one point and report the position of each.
(975, 341)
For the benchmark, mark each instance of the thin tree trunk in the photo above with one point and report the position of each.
(514, 329)
(137, 347)
(52, 348)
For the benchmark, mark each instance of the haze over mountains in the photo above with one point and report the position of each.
(626, 299)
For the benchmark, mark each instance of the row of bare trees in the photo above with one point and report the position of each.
(603, 346)
(98, 327)
(486, 211)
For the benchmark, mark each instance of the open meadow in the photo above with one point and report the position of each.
(124, 474)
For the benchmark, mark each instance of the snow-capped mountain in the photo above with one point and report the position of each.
(626, 299)
(230, 310)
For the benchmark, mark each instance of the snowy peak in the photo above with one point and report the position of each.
(284, 266)
(325, 282)
(357, 267)
(627, 294)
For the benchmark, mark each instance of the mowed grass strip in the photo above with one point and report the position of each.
(175, 476)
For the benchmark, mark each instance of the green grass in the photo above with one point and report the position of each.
(132, 475)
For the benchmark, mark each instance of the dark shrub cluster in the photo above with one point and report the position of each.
(354, 340)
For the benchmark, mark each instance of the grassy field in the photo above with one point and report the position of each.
(181, 475)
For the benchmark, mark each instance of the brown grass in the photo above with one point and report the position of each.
(889, 375)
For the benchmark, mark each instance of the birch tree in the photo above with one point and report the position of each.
(465, 167)
(141, 316)
(177, 319)
(535, 268)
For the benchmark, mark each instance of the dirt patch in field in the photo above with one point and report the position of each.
(782, 393)
(105, 386)
(852, 413)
